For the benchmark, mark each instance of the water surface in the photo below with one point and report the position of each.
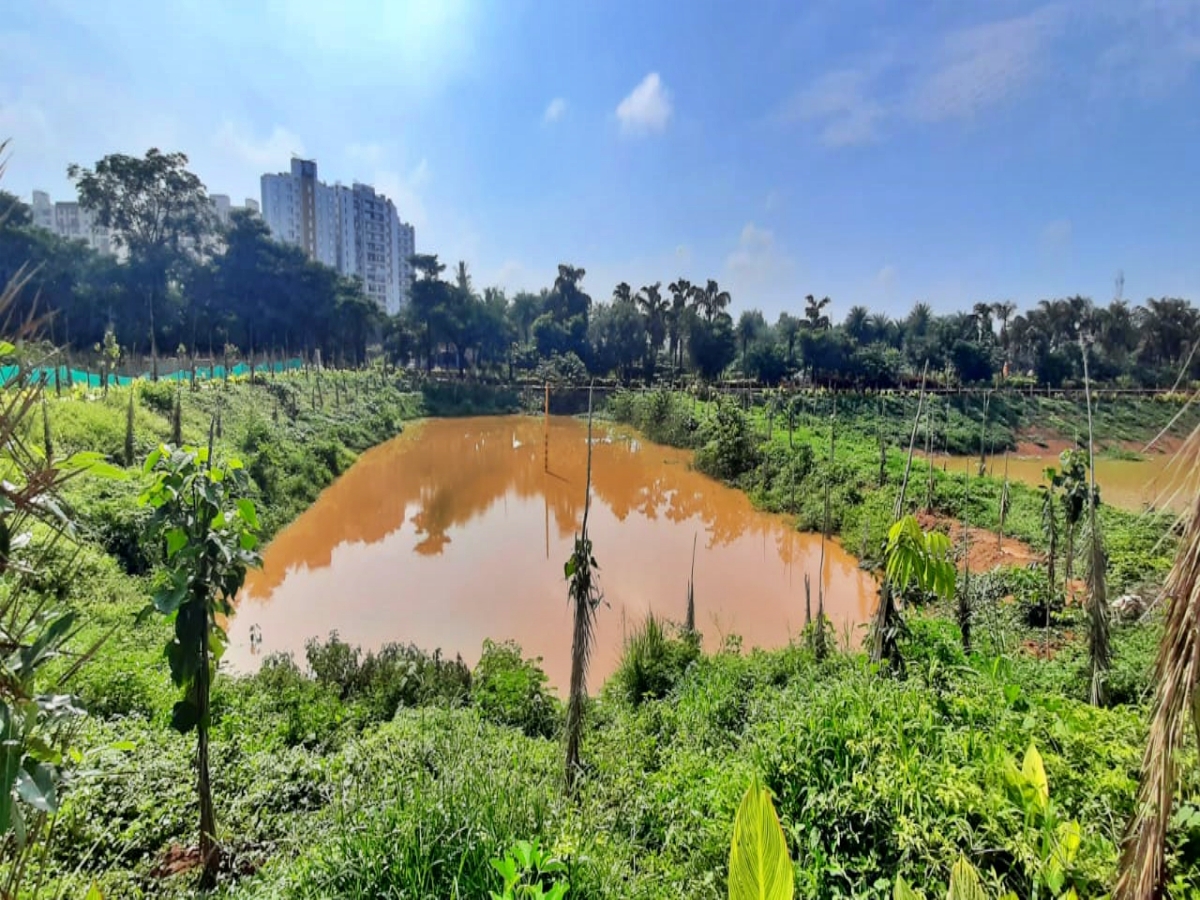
(458, 530)
(1157, 480)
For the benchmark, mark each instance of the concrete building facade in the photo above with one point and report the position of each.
(68, 219)
(352, 229)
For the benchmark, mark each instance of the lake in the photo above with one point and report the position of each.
(458, 529)
(1158, 480)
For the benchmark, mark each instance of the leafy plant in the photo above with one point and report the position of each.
(530, 873)
(210, 531)
(919, 558)
(759, 865)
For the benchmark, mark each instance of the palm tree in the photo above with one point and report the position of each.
(982, 313)
(681, 292)
(883, 329)
(712, 299)
(622, 293)
(814, 313)
(858, 325)
(1003, 310)
(654, 308)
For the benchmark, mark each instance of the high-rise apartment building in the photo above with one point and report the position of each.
(70, 220)
(352, 229)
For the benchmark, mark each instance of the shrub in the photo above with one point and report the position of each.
(653, 661)
(158, 396)
(511, 690)
(730, 449)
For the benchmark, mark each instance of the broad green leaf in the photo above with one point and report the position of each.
(35, 785)
(964, 882)
(759, 866)
(1067, 846)
(1035, 773)
(249, 515)
(903, 891)
(94, 894)
(176, 540)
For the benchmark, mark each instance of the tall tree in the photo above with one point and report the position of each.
(654, 308)
(815, 317)
(681, 293)
(157, 210)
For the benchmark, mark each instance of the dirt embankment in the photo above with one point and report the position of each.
(986, 550)
(1033, 441)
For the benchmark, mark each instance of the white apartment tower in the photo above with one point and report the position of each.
(70, 220)
(352, 229)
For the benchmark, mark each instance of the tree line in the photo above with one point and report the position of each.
(182, 283)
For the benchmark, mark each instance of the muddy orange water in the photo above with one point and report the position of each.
(1156, 480)
(455, 532)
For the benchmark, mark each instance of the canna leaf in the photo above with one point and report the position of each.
(903, 891)
(964, 882)
(1035, 773)
(759, 866)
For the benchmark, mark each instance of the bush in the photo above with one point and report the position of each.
(383, 682)
(158, 396)
(731, 449)
(510, 690)
(654, 662)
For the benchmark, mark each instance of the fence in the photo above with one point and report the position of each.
(52, 376)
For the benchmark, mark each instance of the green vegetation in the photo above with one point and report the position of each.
(232, 292)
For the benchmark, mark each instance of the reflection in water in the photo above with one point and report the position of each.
(1158, 480)
(456, 532)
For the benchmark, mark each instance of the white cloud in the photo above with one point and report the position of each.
(757, 262)
(1056, 235)
(647, 108)
(269, 153)
(886, 277)
(838, 100)
(405, 191)
(555, 110)
(984, 65)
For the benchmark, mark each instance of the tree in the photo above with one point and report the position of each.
(750, 326)
(1003, 310)
(814, 313)
(711, 300)
(711, 345)
(681, 294)
(858, 325)
(654, 310)
(428, 304)
(156, 209)
(788, 328)
(210, 532)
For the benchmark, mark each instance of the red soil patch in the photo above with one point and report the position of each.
(987, 552)
(1032, 442)
(179, 860)
(176, 861)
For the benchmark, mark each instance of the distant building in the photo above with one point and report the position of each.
(224, 208)
(352, 229)
(70, 220)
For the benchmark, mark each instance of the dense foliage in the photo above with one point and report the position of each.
(184, 282)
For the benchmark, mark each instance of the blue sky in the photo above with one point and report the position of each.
(876, 151)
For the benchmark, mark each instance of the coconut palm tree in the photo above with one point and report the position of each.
(712, 299)
(622, 293)
(858, 325)
(815, 318)
(681, 292)
(654, 309)
(1003, 310)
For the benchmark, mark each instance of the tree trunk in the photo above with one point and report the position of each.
(208, 820)
(153, 341)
